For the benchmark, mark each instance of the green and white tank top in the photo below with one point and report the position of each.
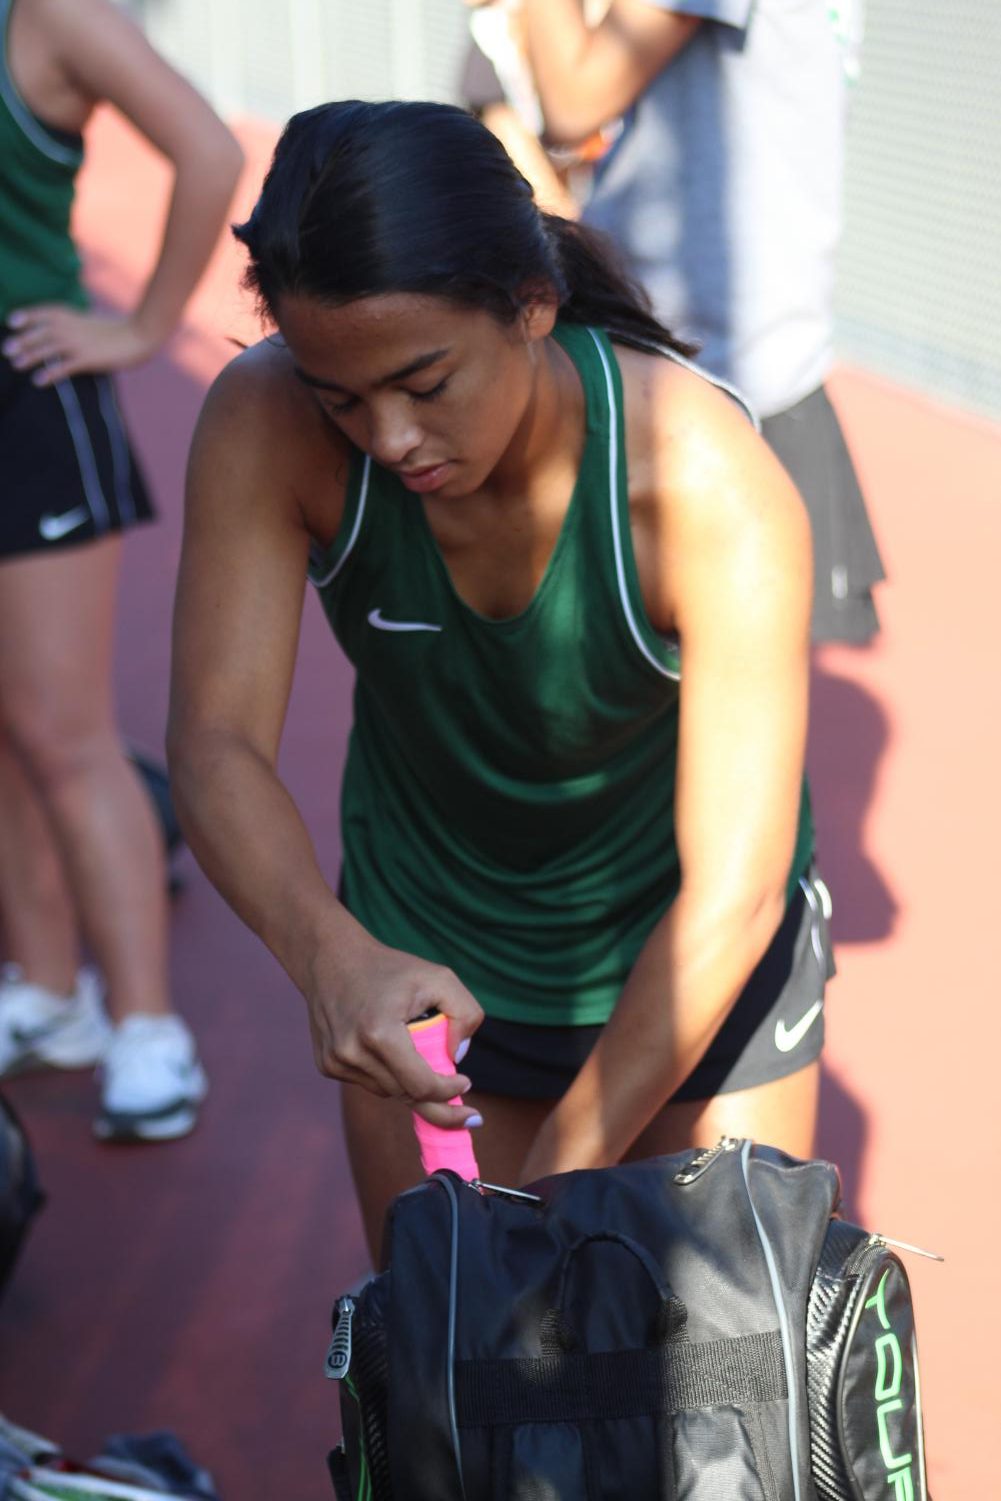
(507, 806)
(38, 169)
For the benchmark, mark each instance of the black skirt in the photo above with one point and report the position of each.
(846, 562)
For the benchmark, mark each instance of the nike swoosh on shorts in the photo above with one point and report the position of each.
(375, 617)
(54, 527)
(786, 1038)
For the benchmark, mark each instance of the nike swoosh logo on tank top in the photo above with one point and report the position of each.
(376, 618)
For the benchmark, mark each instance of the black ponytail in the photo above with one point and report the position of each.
(599, 291)
(363, 199)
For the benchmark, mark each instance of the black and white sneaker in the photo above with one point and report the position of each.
(151, 1081)
(39, 1029)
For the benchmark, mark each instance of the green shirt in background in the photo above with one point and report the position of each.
(38, 169)
(507, 806)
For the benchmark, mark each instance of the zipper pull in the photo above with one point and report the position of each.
(516, 1195)
(339, 1355)
(903, 1245)
(705, 1159)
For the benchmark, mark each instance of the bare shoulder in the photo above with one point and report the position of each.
(690, 445)
(703, 484)
(54, 13)
(67, 22)
(258, 386)
(101, 54)
(262, 435)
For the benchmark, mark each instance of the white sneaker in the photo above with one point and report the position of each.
(151, 1081)
(41, 1030)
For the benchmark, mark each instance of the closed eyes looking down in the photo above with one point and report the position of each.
(338, 408)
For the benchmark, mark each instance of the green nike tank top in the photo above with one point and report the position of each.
(507, 805)
(38, 168)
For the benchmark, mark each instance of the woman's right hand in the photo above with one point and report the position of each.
(358, 1024)
(58, 342)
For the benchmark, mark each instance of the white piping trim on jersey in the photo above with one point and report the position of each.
(66, 156)
(613, 487)
(362, 496)
(120, 465)
(725, 386)
(84, 449)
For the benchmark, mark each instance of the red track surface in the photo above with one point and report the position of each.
(189, 1286)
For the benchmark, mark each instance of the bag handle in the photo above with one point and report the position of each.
(556, 1334)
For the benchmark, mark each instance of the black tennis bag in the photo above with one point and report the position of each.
(699, 1327)
(20, 1193)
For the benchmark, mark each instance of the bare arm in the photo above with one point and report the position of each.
(529, 156)
(261, 443)
(95, 53)
(586, 76)
(724, 558)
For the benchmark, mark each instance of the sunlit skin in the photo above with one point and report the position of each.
(418, 382)
(485, 422)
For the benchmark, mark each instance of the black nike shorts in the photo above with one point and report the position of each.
(67, 470)
(775, 1027)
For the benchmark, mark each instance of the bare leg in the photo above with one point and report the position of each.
(385, 1161)
(782, 1114)
(56, 637)
(383, 1151)
(37, 914)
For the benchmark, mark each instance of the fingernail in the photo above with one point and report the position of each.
(472, 1121)
(462, 1050)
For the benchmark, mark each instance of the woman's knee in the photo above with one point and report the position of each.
(55, 742)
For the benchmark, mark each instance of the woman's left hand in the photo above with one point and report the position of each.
(56, 342)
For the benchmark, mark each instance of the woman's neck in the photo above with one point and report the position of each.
(549, 439)
(498, 544)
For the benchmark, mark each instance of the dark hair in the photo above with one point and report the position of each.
(363, 199)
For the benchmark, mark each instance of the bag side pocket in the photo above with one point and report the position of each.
(862, 1374)
(879, 1389)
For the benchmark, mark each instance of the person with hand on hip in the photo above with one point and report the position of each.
(80, 852)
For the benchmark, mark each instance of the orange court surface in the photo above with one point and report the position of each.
(188, 1286)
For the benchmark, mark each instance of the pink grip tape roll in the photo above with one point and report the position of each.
(441, 1147)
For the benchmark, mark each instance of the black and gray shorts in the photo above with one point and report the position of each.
(66, 466)
(775, 1027)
